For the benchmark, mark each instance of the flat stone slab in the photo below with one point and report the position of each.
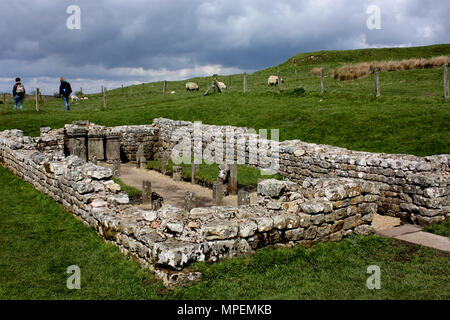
(427, 239)
(414, 234)
(398, 231)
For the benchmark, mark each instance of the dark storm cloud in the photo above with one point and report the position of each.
(134, 41)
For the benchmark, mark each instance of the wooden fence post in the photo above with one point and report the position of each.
(322, 81)
(445, 82)
(164, 88)
(377, 82)
(122, 91)
(81, 92)
(37, 99)
(4, 98)
(104, 97)
(229, 84)
(245, 82)
(279, 81)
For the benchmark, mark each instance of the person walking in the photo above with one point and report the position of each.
(18, 94)
(64, 91)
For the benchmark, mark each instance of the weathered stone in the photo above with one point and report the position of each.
(121, 198)
(220, 230)
(232, 181)
(112, 151)
(243, 198)
(279, 221)
(217, 193)
(305, 220)
(247, 229)
(189, 201)
(264, 224)
(96, 146)
(146, 192)
(337, 226)
(113, 187)
(323, 231)
(317, 206)
(274, 205)
(364, 230)
(98, 203)
(176, 227)
(352, 222)
(270, 187)
(311, 232)
(292, 221)
(149, 216)
(335, 236)
(177, 170)
(295, 234)
(116, 169)
(317, 219)
(99, 173)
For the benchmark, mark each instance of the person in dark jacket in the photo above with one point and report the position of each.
(18, 93)
(64, 91)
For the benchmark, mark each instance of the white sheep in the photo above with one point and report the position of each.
(72, 98)
(221, 85)
(191, 86)
(273, 81)
(84, 98)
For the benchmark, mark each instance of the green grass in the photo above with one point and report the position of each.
(410, 117)
(39, 240)
(131, 191)
(442, 229)
(208, 173)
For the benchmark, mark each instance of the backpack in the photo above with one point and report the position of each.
(20, 89)
(66, 88)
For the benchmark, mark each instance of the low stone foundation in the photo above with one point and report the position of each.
(298, 212)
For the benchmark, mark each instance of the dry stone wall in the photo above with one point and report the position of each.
(171, 238)
(414, 189)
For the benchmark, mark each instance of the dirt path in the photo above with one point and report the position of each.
(171, 191)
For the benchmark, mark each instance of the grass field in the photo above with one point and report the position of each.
(442, 229)
(39, 240)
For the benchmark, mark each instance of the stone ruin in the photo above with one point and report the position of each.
(328, 193)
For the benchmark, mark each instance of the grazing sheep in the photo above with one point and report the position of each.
(273, 81)
(172, 92)
(191, 86)
(84, 98)
(72, 98)
(221, 85)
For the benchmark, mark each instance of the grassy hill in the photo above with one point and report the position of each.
(410, 117)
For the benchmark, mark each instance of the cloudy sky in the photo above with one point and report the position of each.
(135, 41)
